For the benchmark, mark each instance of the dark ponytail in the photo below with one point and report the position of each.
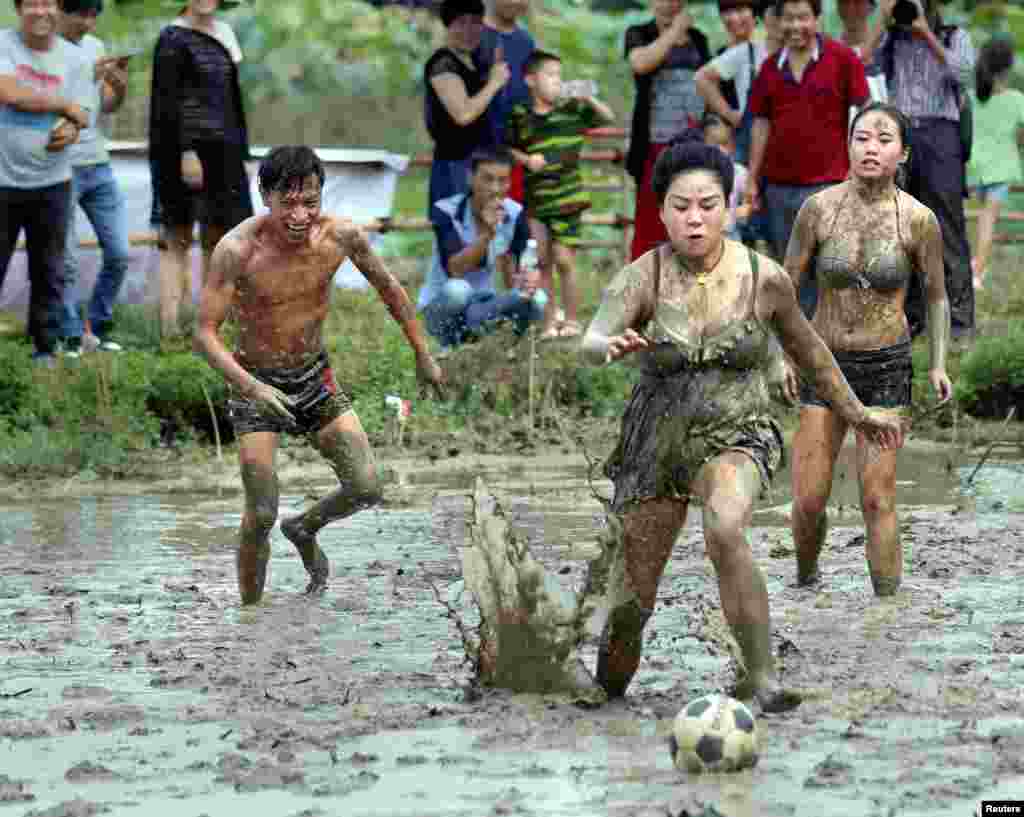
(996, 58)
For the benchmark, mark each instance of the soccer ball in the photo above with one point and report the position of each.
(714, 733)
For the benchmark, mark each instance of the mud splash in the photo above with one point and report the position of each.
(132, 683)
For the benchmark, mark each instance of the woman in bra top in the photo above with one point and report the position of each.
(698, 315)
(865, 236)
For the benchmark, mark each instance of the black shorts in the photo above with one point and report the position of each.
(224, 201)
(879, 377)
(317, 400)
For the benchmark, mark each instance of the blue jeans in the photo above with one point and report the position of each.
(782, 202)
(94, 188)
(459, 312)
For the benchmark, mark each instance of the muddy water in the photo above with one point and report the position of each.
(131, 680)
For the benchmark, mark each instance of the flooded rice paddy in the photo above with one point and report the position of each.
(131, 682)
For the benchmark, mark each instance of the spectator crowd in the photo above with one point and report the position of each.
(506, 192)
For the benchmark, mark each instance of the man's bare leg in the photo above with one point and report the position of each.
(728, 486)
(257, 451)
(816, 447)
(345, 446)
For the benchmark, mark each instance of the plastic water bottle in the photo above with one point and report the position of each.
(529, 263)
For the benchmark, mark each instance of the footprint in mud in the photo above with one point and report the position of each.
(14, 791)
(70, 808)
(89, 772)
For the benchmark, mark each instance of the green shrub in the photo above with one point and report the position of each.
(15, 376)
(991, 377)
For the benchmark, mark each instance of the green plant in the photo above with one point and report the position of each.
(991, 377)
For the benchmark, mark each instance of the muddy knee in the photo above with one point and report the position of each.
(259, 521)
(810, 508)
(365, 487)
(876, 505)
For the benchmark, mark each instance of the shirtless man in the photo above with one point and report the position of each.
(274, 273)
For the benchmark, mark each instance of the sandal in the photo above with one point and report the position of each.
(570, 329)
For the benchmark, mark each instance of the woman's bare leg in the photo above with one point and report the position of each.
(987, 219)
(175, 272)
(649, 530)
(728, 486)
(876, 472)
(816, 447)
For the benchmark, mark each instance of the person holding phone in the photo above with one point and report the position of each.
(458, 94)
(198, 144)
(664, 55)
(94, 188)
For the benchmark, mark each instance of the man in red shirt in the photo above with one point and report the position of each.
(801, 103)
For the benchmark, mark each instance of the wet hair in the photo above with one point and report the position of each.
(996, 57)
(902, 123)
(814, 4)
(285, 168)
(452, 10)
(687, 152)
(894, 113)
(537, 59)
(81, 6)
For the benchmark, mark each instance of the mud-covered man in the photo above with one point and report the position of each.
(274, 273)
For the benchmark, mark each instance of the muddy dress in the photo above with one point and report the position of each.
(696, 398)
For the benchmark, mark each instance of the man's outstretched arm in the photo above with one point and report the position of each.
(357, 246)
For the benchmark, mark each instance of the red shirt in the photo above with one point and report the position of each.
(809, 118)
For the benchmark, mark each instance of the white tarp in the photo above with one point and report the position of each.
(360, 184)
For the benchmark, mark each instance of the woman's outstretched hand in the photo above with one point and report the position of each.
(941, 383)
(883, 429)
(621, 345)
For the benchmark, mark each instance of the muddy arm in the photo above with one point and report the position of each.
(215, 300)
(627, 305)
(803, 242)
(357, 247)
(808, 351)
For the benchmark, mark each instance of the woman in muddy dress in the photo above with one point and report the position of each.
(698, 314)
(866, 237)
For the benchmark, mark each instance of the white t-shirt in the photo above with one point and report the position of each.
(221, 32)
(734, 64)
(25, 163)
(91, 147)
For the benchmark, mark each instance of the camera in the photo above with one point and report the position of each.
(904, 12)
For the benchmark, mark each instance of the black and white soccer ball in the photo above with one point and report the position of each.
(714, 733)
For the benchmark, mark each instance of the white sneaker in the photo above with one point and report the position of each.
(90, 343)
(110, 346)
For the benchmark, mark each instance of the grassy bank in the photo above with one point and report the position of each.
(105, 413)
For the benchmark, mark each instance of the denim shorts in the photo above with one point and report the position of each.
(997, 192)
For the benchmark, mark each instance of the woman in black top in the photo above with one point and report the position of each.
(664, 55)
(198, 144)
(457, 96)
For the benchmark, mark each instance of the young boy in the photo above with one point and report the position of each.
(546, 136)
(721, 134)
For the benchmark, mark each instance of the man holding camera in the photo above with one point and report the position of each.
(928, 66)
